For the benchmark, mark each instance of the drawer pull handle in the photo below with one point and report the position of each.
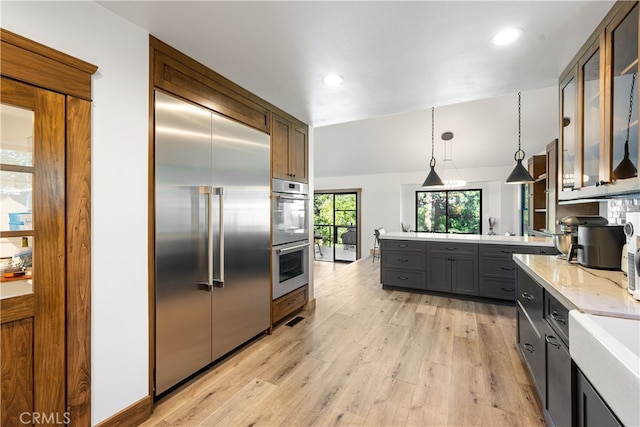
(507, 268)
(402, 246)
(508, 252)
(403, 278)
(529, 347)
(403, 260)
(508, 289)
(558, 318)
(451, 249)
(527, 296)
(552, 341)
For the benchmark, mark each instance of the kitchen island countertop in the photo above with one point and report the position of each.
(470, 238)
(589, 290)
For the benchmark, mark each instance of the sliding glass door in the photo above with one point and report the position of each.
(336, 233)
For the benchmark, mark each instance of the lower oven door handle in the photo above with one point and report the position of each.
(293, 248)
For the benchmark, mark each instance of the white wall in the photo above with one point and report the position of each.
(119, 185)
(389, 199)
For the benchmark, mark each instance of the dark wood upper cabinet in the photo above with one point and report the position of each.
(599, 111)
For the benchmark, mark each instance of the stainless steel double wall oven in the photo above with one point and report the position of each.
(290, 236)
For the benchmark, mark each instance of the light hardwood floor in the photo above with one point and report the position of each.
(368, 357)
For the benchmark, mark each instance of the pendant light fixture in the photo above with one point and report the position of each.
(451, 176)
(432, 179)
(626, 168)
(520, 174)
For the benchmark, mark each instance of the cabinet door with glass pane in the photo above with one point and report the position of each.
(32, 247)
(591, 99)
(622, 118)
(568, 107)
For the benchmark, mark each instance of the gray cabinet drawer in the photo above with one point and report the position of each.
(505, 251)
(558, 317)
(497, 267)
(454, 248)
(404, 260)
(404, 278)
(402, 245)
(529, 295)
(498, 288)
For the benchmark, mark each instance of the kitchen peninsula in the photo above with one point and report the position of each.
(462, 264)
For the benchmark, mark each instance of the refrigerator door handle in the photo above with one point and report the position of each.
(219, 282)
(208, 285)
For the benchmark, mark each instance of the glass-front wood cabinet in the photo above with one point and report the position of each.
(624, 97)
(599, 111)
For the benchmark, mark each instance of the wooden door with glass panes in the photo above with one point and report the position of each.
(32, 237)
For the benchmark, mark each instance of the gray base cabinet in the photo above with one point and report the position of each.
(404, 264)
(567, 398)
(473, 269)
(452, 267)
(591, 410)
(531, 328)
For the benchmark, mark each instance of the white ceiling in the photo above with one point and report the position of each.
(395, 56)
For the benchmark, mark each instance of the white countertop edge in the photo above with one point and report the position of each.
(549, 287)
(470, 238)
(566, 301)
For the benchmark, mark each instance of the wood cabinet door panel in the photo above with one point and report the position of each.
(298, 153)
(280, 134)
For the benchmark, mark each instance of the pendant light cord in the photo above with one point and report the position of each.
(519, 152)
(633, 83)
(432, 163)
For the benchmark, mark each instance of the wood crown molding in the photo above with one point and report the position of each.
(31, 62)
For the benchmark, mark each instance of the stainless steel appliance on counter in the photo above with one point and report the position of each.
(212, 211)
(290, 238)
(599, 246)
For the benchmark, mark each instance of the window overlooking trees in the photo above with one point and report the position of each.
(449, 211)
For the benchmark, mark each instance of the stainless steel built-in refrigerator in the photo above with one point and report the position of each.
(212, 216)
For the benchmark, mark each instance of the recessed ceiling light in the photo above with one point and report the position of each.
(332, 79)
(506, 36)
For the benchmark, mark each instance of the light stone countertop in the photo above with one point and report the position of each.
(589, 290)
(470, 238)
(16, 288)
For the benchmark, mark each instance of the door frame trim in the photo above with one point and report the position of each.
(30, 62)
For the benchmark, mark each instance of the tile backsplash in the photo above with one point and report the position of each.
(619, 206)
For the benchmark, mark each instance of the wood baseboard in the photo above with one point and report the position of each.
(130, 416)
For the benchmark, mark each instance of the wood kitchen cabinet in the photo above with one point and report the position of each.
(536, 192)
(289, 149)
(290, 303)
(452, 267)
(599, 111)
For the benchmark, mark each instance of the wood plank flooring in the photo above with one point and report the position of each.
(368, 357)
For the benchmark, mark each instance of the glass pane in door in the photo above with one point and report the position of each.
(625, 98)
(591, 123)
(323, 227)
(568, 134)
(346, 227)
(16, 200)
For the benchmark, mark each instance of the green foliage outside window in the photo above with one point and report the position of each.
(449, 211)
(333, 209)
